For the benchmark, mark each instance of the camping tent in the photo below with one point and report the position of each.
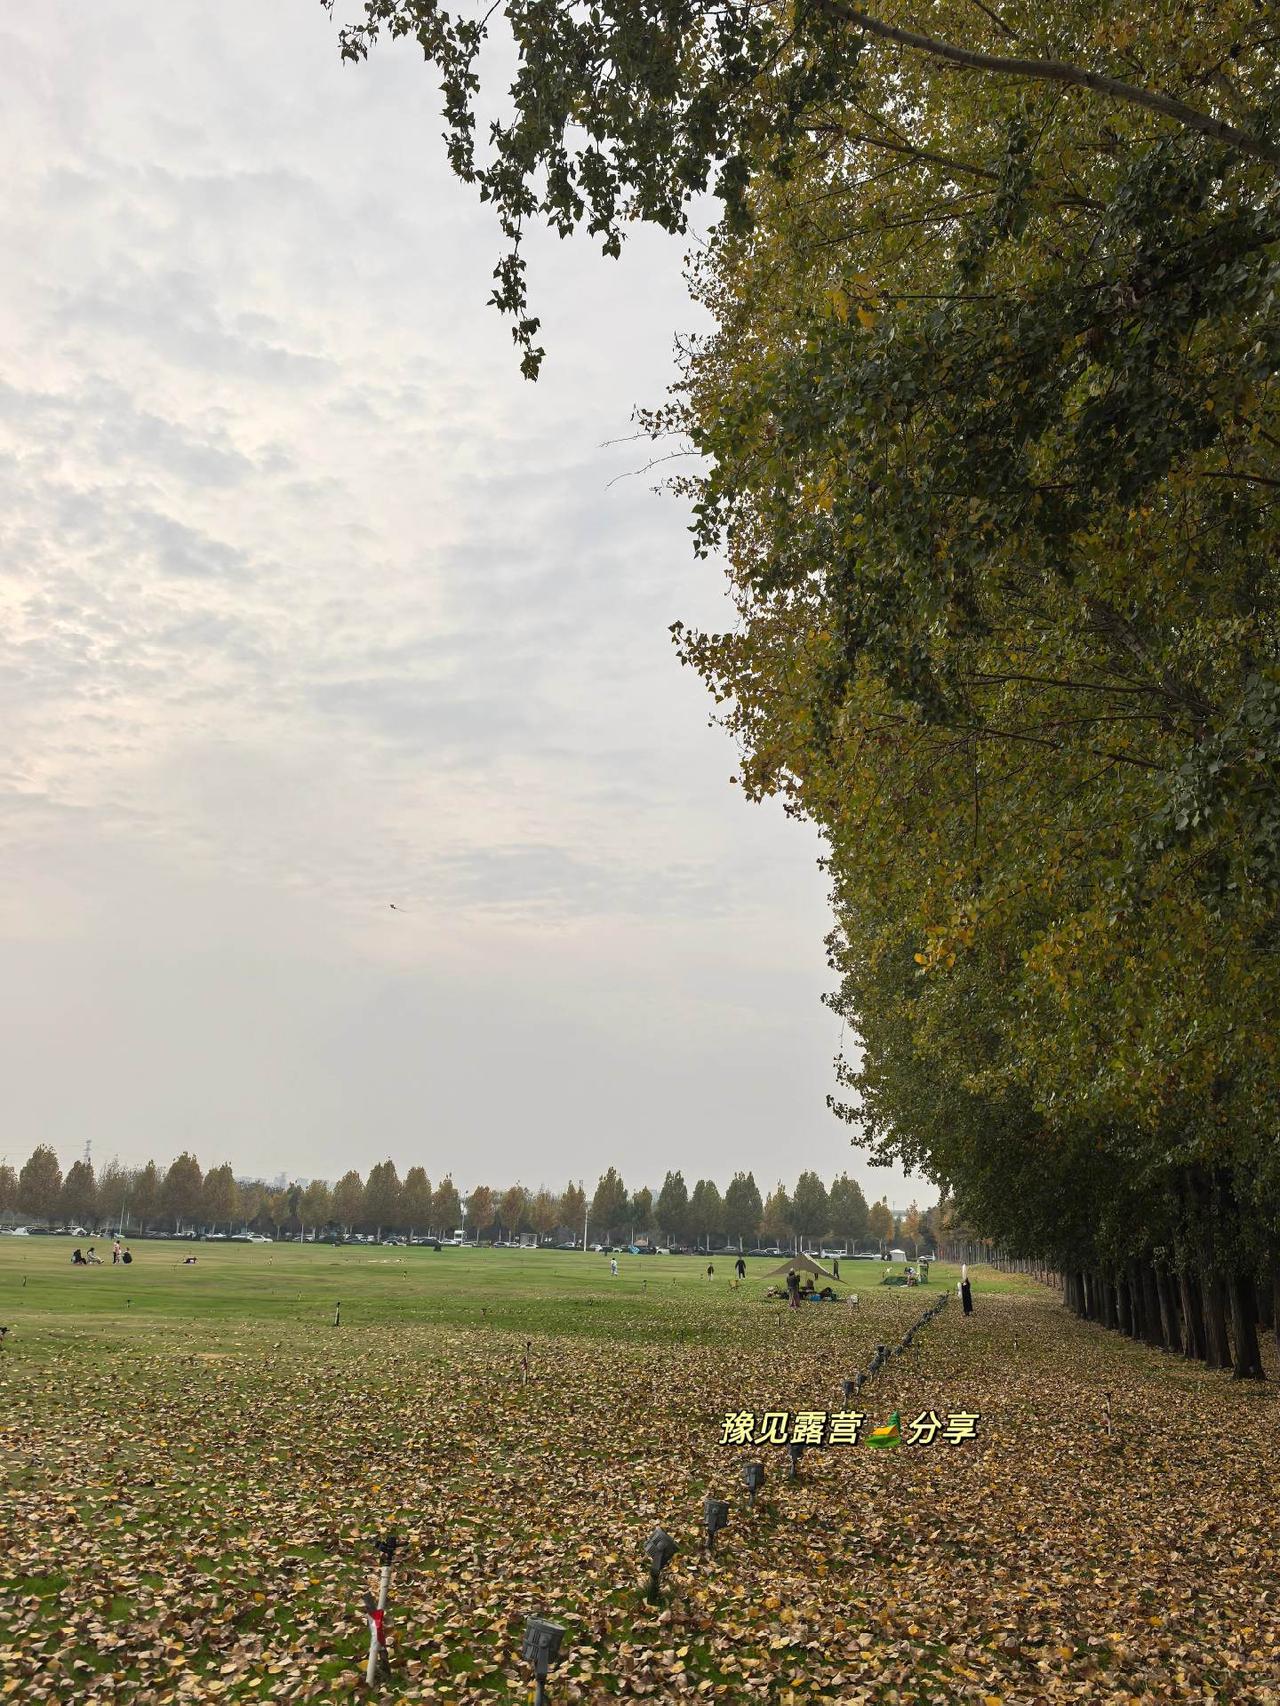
(802, 1265)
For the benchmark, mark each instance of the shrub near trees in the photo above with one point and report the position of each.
(182, 1196)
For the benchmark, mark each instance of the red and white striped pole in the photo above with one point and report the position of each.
(377, 1614)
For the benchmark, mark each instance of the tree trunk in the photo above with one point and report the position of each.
(1193, 1336)
(1124, 1314)
(1151, 1303)
(1244, 1328)
(1168, 1305)
(1137, 1301)
(1217, 1343)
(1266, 1300)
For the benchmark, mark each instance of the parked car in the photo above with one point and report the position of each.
(16, 1231)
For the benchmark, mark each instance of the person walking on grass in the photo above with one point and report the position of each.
(741, 1268)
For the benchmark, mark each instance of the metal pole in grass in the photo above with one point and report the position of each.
(377, 1614)
(337, 1314)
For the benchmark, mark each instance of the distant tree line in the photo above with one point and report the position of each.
(184, 1196)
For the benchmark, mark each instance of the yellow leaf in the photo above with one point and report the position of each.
(866, 319)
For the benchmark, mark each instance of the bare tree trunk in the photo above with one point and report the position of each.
(1244, 1328)
(1151, 1305)
(1217, 1343)
(1266, 1300)
(1168, 1304)
(1193, 1334)
(1124, 1313)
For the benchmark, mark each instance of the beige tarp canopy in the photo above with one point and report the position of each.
(802, 1265)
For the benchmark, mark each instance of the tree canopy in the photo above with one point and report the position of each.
(986, 431)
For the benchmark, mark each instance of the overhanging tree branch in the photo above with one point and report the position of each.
(1061, 71)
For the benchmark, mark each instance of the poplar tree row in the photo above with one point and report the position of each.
(182, 1195)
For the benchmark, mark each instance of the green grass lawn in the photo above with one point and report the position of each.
(196, 1462)
(543, 1291)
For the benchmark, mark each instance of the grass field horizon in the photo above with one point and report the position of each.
(197, 1462)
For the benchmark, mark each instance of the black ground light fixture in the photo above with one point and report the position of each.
(715, 1516)
(847, 1389)
(753, 1480)
(659, 1549)
(541, 1647)
(796, 1451)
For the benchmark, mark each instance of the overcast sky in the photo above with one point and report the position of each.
(312, 605)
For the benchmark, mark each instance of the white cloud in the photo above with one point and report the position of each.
(310, 605)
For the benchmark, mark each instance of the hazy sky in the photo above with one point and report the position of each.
(312, 605)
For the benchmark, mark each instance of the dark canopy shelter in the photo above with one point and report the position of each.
(802, 1265)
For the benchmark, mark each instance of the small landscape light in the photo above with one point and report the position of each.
(715, 1516)
(848, 1389)
(753, 1479)
(659, 1549)
(796, 1450)
(541, 1647)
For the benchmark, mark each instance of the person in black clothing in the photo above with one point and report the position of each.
(741, 1267)
(966, 1296)
(77, 1259)
(793, 1289)
(835, 1267)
